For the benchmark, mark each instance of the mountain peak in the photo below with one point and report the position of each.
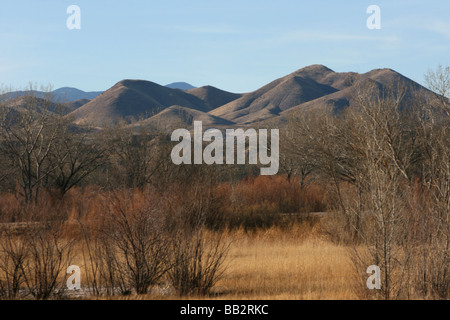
(314, 69)
(317, 67)
(180, 86)
(67, 89)
(131, 82)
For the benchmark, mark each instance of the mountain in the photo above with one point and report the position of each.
(312, 87)
(213, 97)
(37, 105)
(284, 93)
(59, 95)
(131, 99)
(67, 94)
(74, 105)
(176, 117)
(180, 86)
(343, 98)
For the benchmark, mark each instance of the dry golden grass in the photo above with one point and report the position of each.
(296, 263)
(276, 264)
(286, 265)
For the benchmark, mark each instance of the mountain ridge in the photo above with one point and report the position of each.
(131, 98)
(325, 88)
(61, 95)
(311, 87)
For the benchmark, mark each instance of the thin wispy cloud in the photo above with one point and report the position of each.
(8, 65)
(309, 35)
(421, 23)
(201, 29)
(285, 38)
(440, 27)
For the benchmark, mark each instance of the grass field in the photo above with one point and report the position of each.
(281, 264)
(273, 265)
(270, 256)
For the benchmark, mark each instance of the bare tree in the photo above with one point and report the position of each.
(136, 154)
(198, 253)
(197, 261)
(439, 81)
(137, 246)
(13, 253)
(385, 154)
(48, 256)
(433, 123)
(28, 134)
(296, 156)
(77, 153)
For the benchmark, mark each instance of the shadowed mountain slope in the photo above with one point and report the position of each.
(176, 117)
(312, 87)
(213, 97)
(131, 99)
(384, 78)
(279, 95)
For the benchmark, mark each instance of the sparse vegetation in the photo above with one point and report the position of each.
(368, 185)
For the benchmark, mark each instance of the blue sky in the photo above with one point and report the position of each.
(236, 45)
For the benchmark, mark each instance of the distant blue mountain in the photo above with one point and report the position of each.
(71, 94)
(180, 86)
(59, 95)
(67, 94)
